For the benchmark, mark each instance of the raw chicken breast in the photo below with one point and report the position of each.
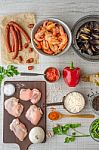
(34, 114)
(36, 95)
(25, 94)
(19, 129)
(13, 107)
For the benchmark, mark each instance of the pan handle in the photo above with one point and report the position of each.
(52, 104)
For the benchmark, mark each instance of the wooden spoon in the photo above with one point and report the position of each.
(54, 115)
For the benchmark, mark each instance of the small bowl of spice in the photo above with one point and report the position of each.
(52, 74)
(94, 130)
(95, 104)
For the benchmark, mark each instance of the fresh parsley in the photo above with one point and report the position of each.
(10, 71)
(64, 130)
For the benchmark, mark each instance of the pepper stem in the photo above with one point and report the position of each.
(71, 66)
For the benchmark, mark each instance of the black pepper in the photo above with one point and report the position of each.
(95, 103)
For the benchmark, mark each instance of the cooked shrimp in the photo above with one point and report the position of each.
(48, 36)
(55, 31)
(39, 36)
(54, 48)
(45, 24)
(63, 37)
(48, 51)
(38, 45)
(45, 44)
(51, 38)
(48, 25)
(64, 46)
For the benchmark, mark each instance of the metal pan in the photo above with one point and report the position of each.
(63, 103)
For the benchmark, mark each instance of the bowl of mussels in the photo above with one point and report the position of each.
(86, 37)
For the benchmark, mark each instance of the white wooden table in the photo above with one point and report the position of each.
(69, 11)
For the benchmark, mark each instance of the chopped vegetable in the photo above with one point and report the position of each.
(94, 130)
(10, 71)
(52, 74)
(64, 130)
(30, 67)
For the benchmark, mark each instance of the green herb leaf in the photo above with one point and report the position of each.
(9, 72)
(58, 130)
(75, 125)
(61, 130)
(69, 139)
(1, 69)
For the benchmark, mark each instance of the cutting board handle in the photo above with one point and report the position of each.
(23, 147)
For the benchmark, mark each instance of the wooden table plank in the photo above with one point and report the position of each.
(69, 11)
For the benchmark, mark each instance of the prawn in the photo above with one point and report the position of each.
(39, 36)
(45, 47)
(49, 25)
(48, 51)
(38, 44)
(54, 48)
(55, 31)
(64, 38)
(45, 44)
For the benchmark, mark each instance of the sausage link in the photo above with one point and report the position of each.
(7, 38)
(19, 38)
(30, 26)
(15, 41)
(21, 30)
(30, 60)
(26, 45)
(20, 59)
(12, 43)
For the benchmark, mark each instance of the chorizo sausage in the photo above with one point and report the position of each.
(30, 26)
(30, 49)
(30, 60)
(12, 43)
(19, 38)
(7, 38)
(20, 59)
(15, 41)
(21, 30)
(26, 45)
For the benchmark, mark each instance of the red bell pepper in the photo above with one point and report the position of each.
(71, 75)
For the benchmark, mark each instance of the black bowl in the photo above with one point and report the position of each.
(75, 29)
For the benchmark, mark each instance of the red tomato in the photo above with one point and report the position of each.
(52, 74)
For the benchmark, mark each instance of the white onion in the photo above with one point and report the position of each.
(37, 135)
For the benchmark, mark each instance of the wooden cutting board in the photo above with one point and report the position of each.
(8, 135)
